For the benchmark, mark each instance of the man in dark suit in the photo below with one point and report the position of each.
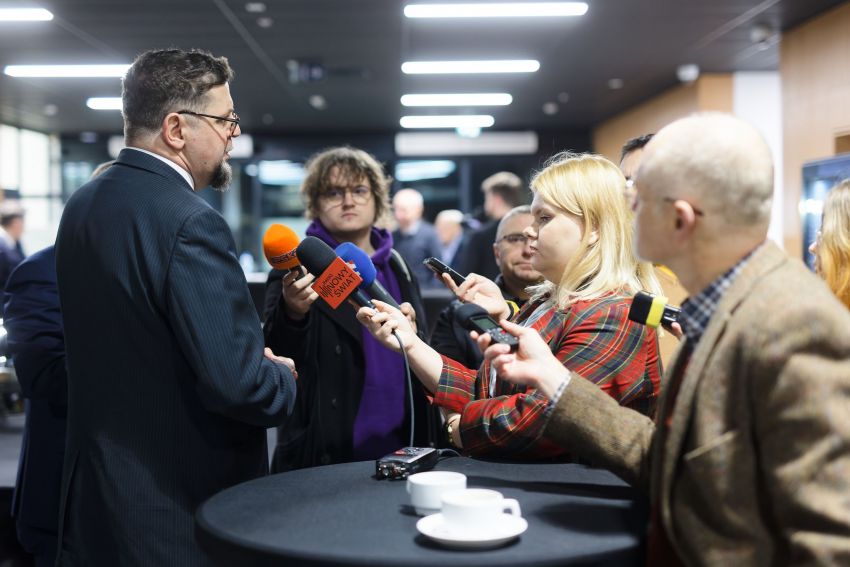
(11, 229)
(169, 391)
(415, 238)
(32, 319)
(502, 192)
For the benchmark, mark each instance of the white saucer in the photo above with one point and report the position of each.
(506, 528)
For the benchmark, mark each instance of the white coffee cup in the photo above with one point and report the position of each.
(476, 508)
(426, 489)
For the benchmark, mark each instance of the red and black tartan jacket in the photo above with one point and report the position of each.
(593, 338)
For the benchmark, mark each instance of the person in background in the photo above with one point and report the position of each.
(513, 254)
(415, 238)
(630, 158)
(502, 192)
(580, 238)
(36, 343)
(747, 462)
(170, 390)
(831, 249)
(11, 230)
(353, 399)
(449, 227)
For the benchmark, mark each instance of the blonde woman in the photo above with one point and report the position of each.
(832, 247)
(581, 236)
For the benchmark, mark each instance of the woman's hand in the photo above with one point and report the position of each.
(482, 292)
(382, 321)
(533, 364)
(408, 311)
(298, 296)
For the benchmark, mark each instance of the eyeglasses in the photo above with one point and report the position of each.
(234, 122)
(335, 196)
(514, 239)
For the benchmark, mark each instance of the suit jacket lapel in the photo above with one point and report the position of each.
(767, 258)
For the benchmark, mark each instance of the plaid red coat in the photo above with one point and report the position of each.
(593, 338)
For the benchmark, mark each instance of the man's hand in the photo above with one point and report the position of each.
(288, 362)
(533, 364)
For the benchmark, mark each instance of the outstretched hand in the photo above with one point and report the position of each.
(383, 320)
(482, 292)
(532, 364)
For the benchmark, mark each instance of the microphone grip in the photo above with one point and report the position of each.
(361, 299)
(379, 292)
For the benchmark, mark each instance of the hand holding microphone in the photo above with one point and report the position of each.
(383, 321)
(279, 246)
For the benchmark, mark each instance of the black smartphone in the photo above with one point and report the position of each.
(439, 268)
(474, 318)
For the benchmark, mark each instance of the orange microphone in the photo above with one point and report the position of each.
(279, 244)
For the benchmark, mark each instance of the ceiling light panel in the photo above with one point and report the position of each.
(66, 71)
(497, 10)
(104, 103)
(452, 121)
(460, 99)
(454, 67)
(25, 15)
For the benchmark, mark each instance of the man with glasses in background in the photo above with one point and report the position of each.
(169, 388)
(513, 257)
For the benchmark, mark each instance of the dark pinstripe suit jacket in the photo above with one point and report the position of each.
(169, 393)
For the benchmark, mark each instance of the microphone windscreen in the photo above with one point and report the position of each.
(315, 255)
(647, 309)
(279, 244)
(466, 312)
(362, 262)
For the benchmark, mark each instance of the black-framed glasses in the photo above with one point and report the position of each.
(234, 122)
(514, 239)
(335, 196)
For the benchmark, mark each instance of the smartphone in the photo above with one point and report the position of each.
(474, 318)
(439, 268)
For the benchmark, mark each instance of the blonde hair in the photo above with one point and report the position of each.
(591, 187)
(833, 250)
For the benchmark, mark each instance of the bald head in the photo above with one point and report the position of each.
(716, 161)
(408, 207)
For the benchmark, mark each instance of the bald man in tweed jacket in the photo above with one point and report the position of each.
(748, 462)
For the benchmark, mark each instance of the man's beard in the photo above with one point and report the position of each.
(222, 176)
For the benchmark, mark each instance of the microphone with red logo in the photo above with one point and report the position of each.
(279, 244)
(366, 268)
(336, 281)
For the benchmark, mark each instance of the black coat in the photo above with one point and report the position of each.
(169, 394)
(34, 323)
(328, 353)
(477, 256)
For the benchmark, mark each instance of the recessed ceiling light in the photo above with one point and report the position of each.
(460, 99)
(50, 110)
(66, 70)
(492, 66)
(318, 102)
(452, 121)
(615, 84)
(25, 15)
(550, 108)
(563, 97)
(255, 7)
(265, 22)
(496, 10)
(104, 103)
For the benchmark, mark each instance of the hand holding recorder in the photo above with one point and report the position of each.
(472, 289)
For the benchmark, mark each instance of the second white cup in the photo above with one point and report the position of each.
(476, 509)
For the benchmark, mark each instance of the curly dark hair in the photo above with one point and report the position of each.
(352, 164)
(167, 80)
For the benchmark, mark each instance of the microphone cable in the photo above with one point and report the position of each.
(409, 387)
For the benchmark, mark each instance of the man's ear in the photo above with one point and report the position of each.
(685, 216)
(497, 254)
(172, 132)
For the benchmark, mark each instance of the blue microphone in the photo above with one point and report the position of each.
(364, 266)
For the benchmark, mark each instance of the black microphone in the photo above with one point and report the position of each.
(336, 281)
(366, 268)
(652, 310)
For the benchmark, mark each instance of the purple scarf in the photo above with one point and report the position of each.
(379, 425)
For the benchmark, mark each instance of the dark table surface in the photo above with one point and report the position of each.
(341, 515)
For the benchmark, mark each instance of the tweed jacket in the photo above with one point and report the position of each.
(755, 469)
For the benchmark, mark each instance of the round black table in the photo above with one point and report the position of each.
(342, 515)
